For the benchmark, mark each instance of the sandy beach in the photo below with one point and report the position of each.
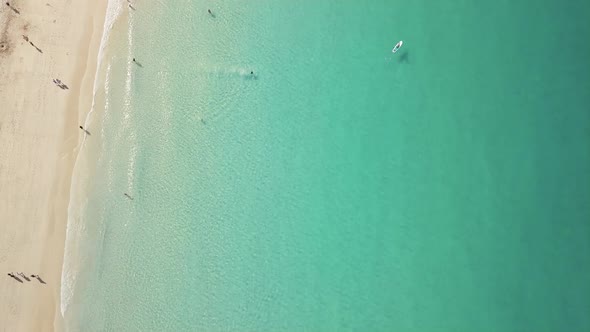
(39, 141)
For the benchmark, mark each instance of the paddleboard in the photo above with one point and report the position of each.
(397, 46)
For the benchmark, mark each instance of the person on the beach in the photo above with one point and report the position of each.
(84, 130)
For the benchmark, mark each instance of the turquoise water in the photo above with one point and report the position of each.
(340, 187)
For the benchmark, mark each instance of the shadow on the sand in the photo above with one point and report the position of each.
(15, 278)
(38, 278)
(24, 276)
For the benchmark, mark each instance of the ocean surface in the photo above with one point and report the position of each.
(339, 187)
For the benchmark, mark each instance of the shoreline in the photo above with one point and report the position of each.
(39, 143)
(84, 170)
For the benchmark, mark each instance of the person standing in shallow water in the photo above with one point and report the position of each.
(137, 63)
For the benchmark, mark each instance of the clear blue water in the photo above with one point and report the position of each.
(340, 187)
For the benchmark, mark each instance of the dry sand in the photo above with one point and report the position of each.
(39, 140)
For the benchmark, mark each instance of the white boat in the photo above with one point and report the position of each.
(397, 46)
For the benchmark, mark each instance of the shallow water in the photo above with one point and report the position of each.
(340, 187)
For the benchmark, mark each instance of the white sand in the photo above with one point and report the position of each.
(39, 140)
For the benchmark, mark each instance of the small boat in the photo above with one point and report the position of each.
(397, 46)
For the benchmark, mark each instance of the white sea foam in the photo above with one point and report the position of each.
(78, 201)
(127, 108)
